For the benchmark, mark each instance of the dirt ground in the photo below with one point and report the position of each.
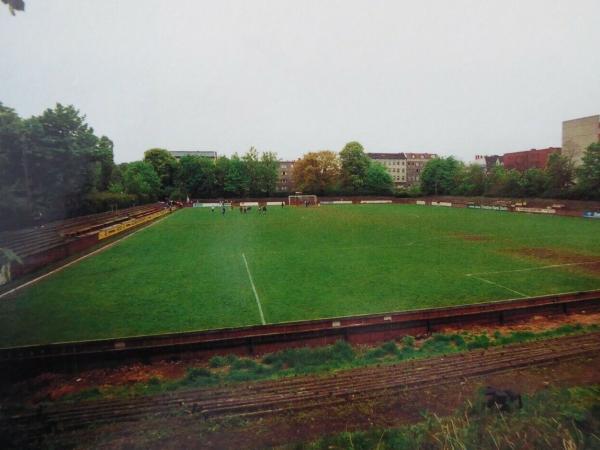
(392, 410)
(53, 386)
(586, 263)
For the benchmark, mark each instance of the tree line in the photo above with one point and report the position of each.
(54, 166)
(559, 179)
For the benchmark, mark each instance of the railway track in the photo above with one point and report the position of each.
(301, 393)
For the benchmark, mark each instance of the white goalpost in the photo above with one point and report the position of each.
(303, 200)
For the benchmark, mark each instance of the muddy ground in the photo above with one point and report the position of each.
(192, 432)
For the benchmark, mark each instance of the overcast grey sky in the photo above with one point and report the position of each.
(451, 77)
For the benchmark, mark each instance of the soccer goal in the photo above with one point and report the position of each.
(303, 200)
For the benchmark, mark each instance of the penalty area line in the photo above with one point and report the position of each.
(529, 269)
(496, 284)
(262, 317)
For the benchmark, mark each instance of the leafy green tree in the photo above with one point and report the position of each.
(198, 176)
(588, 175)
(141, 180)
(251, 170)
(165, 165)
(221, 170)
(237, 180)
(60, 157)
(559, 170)
(534, 182)
(512, 184)
(105, 159)
(355, 165)
(267, 173)
(378, 180)
(16, 199)
(441, 176)
(471, 181)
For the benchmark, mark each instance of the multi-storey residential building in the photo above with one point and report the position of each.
(488, 162)
(528, 159)
(415, 162)
(204, 153)
(285, 183)
(492, 161)
(578, 134)
(395, 163)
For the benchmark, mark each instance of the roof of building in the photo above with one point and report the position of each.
(205, 153)
(534, 150)
(421, 155)
(493, 159)
(595, 116)
(386, 155)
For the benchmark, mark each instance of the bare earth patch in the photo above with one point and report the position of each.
(553, 256)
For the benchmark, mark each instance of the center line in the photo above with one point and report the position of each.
(497, 284)
(262, 317)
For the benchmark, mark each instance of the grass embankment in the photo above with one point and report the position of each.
(187, 272)
(566, 419)
(321, 360)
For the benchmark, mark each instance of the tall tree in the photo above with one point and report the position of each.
(165, 165)
(198, 176)
(588, 175)
(105, 159)
(267, 173)
(378, 180)
(141, 180)
(237, 181)
(559, 170)
(317, 172)
(441, 176)
(251, 170)
(60, 157)
(221, 169)
(534, 182)
(355, 164)
(471, 180)
(15, 182)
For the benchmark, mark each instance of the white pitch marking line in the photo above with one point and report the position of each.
(58, 269)
(262, 317)
(533, 268)
(496, 284)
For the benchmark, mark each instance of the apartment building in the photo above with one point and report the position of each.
(415, 162)
(529, 159)
(578, 134)
(285, 183)
(395, 163)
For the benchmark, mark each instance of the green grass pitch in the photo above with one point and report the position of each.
(187, 271)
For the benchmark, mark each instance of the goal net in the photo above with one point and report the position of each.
(302, 200)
